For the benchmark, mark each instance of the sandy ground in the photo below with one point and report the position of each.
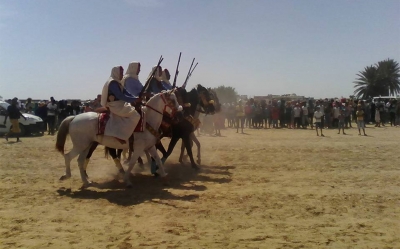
(264, 189)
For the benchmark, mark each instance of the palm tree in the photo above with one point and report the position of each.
(365, 84)
(379, 80)
(389, 76)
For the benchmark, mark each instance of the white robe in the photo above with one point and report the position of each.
(123, 117)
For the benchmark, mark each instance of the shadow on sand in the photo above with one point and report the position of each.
(148, 188)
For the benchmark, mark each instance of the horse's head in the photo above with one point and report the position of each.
(206, 101)
(172, 106)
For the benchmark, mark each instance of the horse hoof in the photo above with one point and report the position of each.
(64, 177)
(198, 161)
(195, 167)
(85, 186)
(129, 185)
(156, 175)
(162, 173)
(154, 167)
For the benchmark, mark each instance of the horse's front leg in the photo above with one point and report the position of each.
(153, 153)
(148, 158)
(182, 153)
(186, 141)
(138, 150)
(116, 154)
(197, 142)
(93, 147)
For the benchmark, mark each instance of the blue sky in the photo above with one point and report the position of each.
(66, 48)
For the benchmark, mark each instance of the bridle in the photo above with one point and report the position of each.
(205, 102)
(169, 105)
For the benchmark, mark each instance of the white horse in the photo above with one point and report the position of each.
(83, 131)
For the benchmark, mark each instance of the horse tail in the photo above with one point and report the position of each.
(106, 151)
(62, 134)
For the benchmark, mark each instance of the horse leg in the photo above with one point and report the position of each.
(153, 152)
(197, 142)
(93, 147)
(182, 153)
(119, 153)
(171, 145)
(183, 150)
(186, 141)
(68, 157)
(135, 155)
(81, 163)
(124, 154)
(148, 158)
(117, 161)
(153, 165)
(161, 148)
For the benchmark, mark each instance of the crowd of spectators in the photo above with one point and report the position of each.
(53, 112)
(299, 114)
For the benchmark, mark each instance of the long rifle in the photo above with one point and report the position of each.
(187, 76)
(151, 76)
(176, 71)
(190, 75)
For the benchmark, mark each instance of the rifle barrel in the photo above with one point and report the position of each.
(187, 76)
(176, 71)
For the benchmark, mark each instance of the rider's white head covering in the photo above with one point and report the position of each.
(131, 72)
(164, 76)
(156, 74)
(115, 75)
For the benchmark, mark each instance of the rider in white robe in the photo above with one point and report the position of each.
(165, 76)
(123, 117)
(155, 85)
(131, 80)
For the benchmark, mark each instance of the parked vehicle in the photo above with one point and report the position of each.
(32, 125)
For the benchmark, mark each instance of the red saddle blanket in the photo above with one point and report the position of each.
(139, 126)
(104, 117)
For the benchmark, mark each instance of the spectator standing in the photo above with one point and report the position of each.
(239, 116)
(360, 119)
(14, 114)
(377, 119)
(29, 106)
(341, 117)
(318, 115)
(51, 115)
(297, 116)
(41, 112)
